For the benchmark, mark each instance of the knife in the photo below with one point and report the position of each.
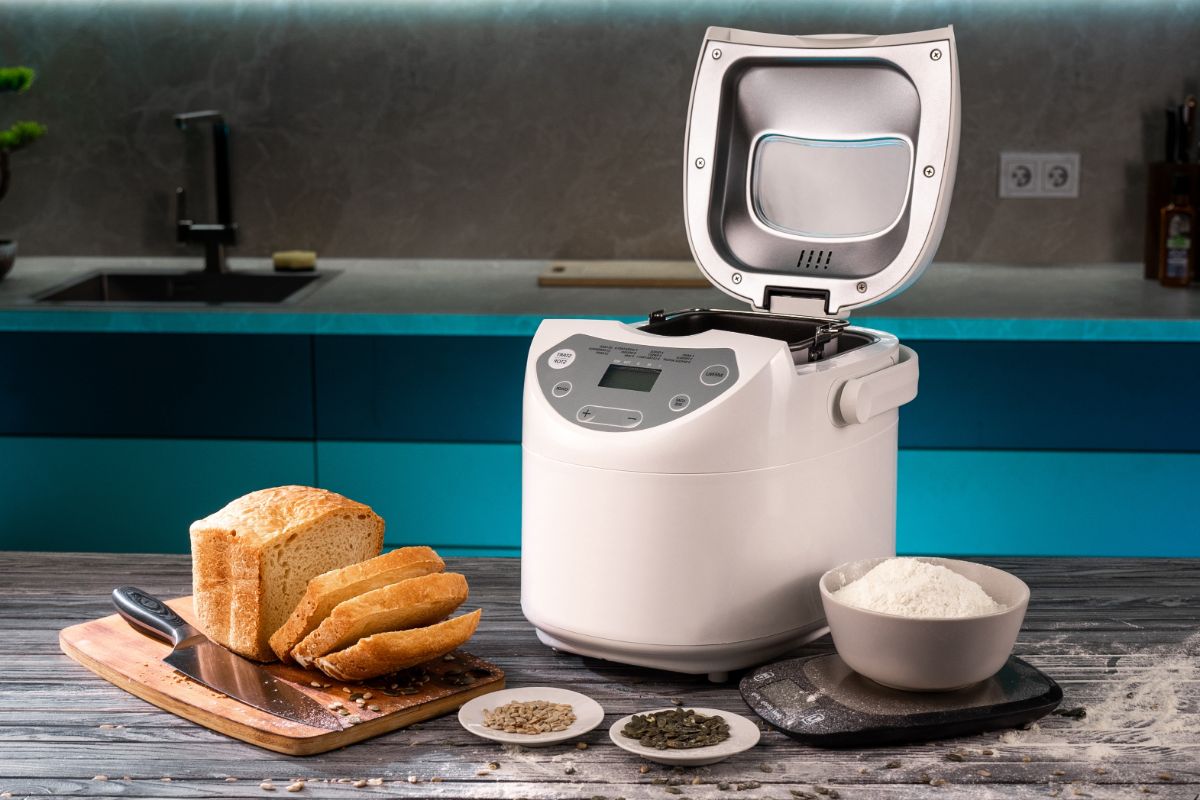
(205, 661)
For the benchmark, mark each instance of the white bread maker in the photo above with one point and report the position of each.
(687, 479)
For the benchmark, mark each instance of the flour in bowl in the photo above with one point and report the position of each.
(911, 588)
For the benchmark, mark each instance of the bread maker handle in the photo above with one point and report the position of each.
(871, 395)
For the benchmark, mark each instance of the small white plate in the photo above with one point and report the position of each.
(743, 734)
(588, 714)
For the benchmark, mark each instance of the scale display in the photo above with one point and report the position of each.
(821, 701)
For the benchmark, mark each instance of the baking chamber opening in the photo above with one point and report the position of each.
(809, 339)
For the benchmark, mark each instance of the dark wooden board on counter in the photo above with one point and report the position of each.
(1103, 628)
(125, 657)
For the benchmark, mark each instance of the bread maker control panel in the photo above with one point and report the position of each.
(615, 386)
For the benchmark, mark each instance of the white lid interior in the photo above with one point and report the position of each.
(819, 169)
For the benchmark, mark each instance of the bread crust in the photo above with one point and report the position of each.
(412, 603)
(387, 652)
(326, 591)
(228, 552)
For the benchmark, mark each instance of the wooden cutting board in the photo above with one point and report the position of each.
(644, 274)
(131, 660)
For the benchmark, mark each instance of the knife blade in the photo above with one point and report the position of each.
(205, 661)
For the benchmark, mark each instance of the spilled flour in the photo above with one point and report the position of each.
(1146, 707)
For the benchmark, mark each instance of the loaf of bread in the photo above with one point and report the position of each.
(387, 652)
(408, 604)
(252, 560)
(326, 591)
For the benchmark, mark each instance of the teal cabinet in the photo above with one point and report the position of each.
(131, 495)
(462, 499)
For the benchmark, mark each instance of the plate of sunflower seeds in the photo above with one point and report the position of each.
(685, 736)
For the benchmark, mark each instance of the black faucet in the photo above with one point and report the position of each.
(214, 236)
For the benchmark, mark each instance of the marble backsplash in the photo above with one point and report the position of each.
(537, 129)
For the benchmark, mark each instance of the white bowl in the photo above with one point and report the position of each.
(743, 734)
(923, 654)
(588, 714)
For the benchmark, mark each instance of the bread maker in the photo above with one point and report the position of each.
(687, 479)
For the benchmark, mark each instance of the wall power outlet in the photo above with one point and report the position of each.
(1039, 175)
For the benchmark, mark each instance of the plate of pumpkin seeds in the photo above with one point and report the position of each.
(685, 736)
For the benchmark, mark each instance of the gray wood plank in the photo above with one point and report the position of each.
(1102, 628)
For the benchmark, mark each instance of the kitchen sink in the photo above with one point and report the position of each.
(259, 288)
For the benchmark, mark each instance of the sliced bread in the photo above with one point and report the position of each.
(325, 592)
(252, 560)
(407, 604)
(387, 652)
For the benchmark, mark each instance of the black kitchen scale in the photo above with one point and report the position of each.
(821, 701)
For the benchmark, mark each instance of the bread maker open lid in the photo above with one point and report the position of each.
(819, 169)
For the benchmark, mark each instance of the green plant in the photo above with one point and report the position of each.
(22, 133)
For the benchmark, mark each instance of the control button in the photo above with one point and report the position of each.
(561, 389)
(609, 417)
(679, 402)
(714, 375)
(561, 359)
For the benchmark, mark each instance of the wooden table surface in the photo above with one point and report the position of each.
(1120, 636)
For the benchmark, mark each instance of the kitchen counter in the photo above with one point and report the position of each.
(1119, 635)
(1092, 302)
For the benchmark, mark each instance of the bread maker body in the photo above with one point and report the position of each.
(687, 480)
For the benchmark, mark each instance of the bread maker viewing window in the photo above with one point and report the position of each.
(830, 188)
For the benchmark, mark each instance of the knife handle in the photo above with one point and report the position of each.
(151, 615)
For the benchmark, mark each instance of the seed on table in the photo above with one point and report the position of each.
(482, 773)
(892, 765)
(267, 786)
(379, 781)
(231, 779)
(100, 778)
(723, 786)
(1026, 759)
(952, 756)
(938, 782)
(1059, 772)
(295, 787)
(1164, 776)
(569, 771)
(168, 780)
(765, 768)
(359, 784)
(315, 684)
(696, 781)
(581, 746)
(983, 773)
(988, 752)
(748, 785)
(107, 726)
(372, 707)
(644, 768)
(335, 705)
(493, 765)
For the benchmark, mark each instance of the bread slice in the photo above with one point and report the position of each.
(326, 591)
(408, 604)
(252, 560)
(387, 652)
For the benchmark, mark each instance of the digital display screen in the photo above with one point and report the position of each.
(636, 379)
